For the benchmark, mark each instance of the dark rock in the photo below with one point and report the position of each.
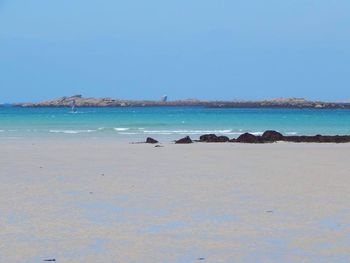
(151, 140)
(208, 138)
(341, 139)
(158, 146)
(184, 140)
(292, 138)
(316, 138)
(223, 139)
(248, 138)
(319, 139)
(213, 138)
(272, 136)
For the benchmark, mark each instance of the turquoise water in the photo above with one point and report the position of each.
(167, 123)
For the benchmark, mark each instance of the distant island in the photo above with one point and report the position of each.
(80, 101)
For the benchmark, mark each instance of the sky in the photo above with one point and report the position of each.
(205, 49)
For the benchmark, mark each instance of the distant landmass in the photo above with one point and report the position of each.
(80, 101)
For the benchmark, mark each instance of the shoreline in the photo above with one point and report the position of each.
(126, 141)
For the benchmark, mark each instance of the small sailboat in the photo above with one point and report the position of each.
(73, 107)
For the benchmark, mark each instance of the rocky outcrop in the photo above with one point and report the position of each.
(223, 138)
(319, 139)
(81, 101)
(248, 138)
(213, 138)
(272, 136)
(151, 140)
(184, 140)
(208, 138)
(267, 137)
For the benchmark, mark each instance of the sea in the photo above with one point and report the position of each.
(166, 123)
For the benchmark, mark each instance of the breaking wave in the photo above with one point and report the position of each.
(121, 129)
(291, 133)
(186, 131)
(71, 131)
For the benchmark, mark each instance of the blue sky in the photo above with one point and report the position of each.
(222, 49)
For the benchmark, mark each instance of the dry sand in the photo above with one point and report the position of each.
(106, 201)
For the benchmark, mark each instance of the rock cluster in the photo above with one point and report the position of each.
(273, 136)
(213, 138)
(319, 139)
(248, 138)
(269, 137)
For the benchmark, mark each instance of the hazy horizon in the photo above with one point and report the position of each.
(222, 50)
(174, 99)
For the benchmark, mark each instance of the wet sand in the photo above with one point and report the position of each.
(107, 201)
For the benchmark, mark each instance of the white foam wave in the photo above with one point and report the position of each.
(76, 112)
(127, 133)
(186, 131)
(234, 133)
(161, 133)
(121, 129)
(257, 133)
(71, 131)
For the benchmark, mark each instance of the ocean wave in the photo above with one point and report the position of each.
(160, 133)
(186, 131)
(76, 112)
(259, 133)
(201, 132)
(2, 131)
(234, 133)
(71, 131)
(121, 129)
(127, 133)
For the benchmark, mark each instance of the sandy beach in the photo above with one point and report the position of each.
(107, 201)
